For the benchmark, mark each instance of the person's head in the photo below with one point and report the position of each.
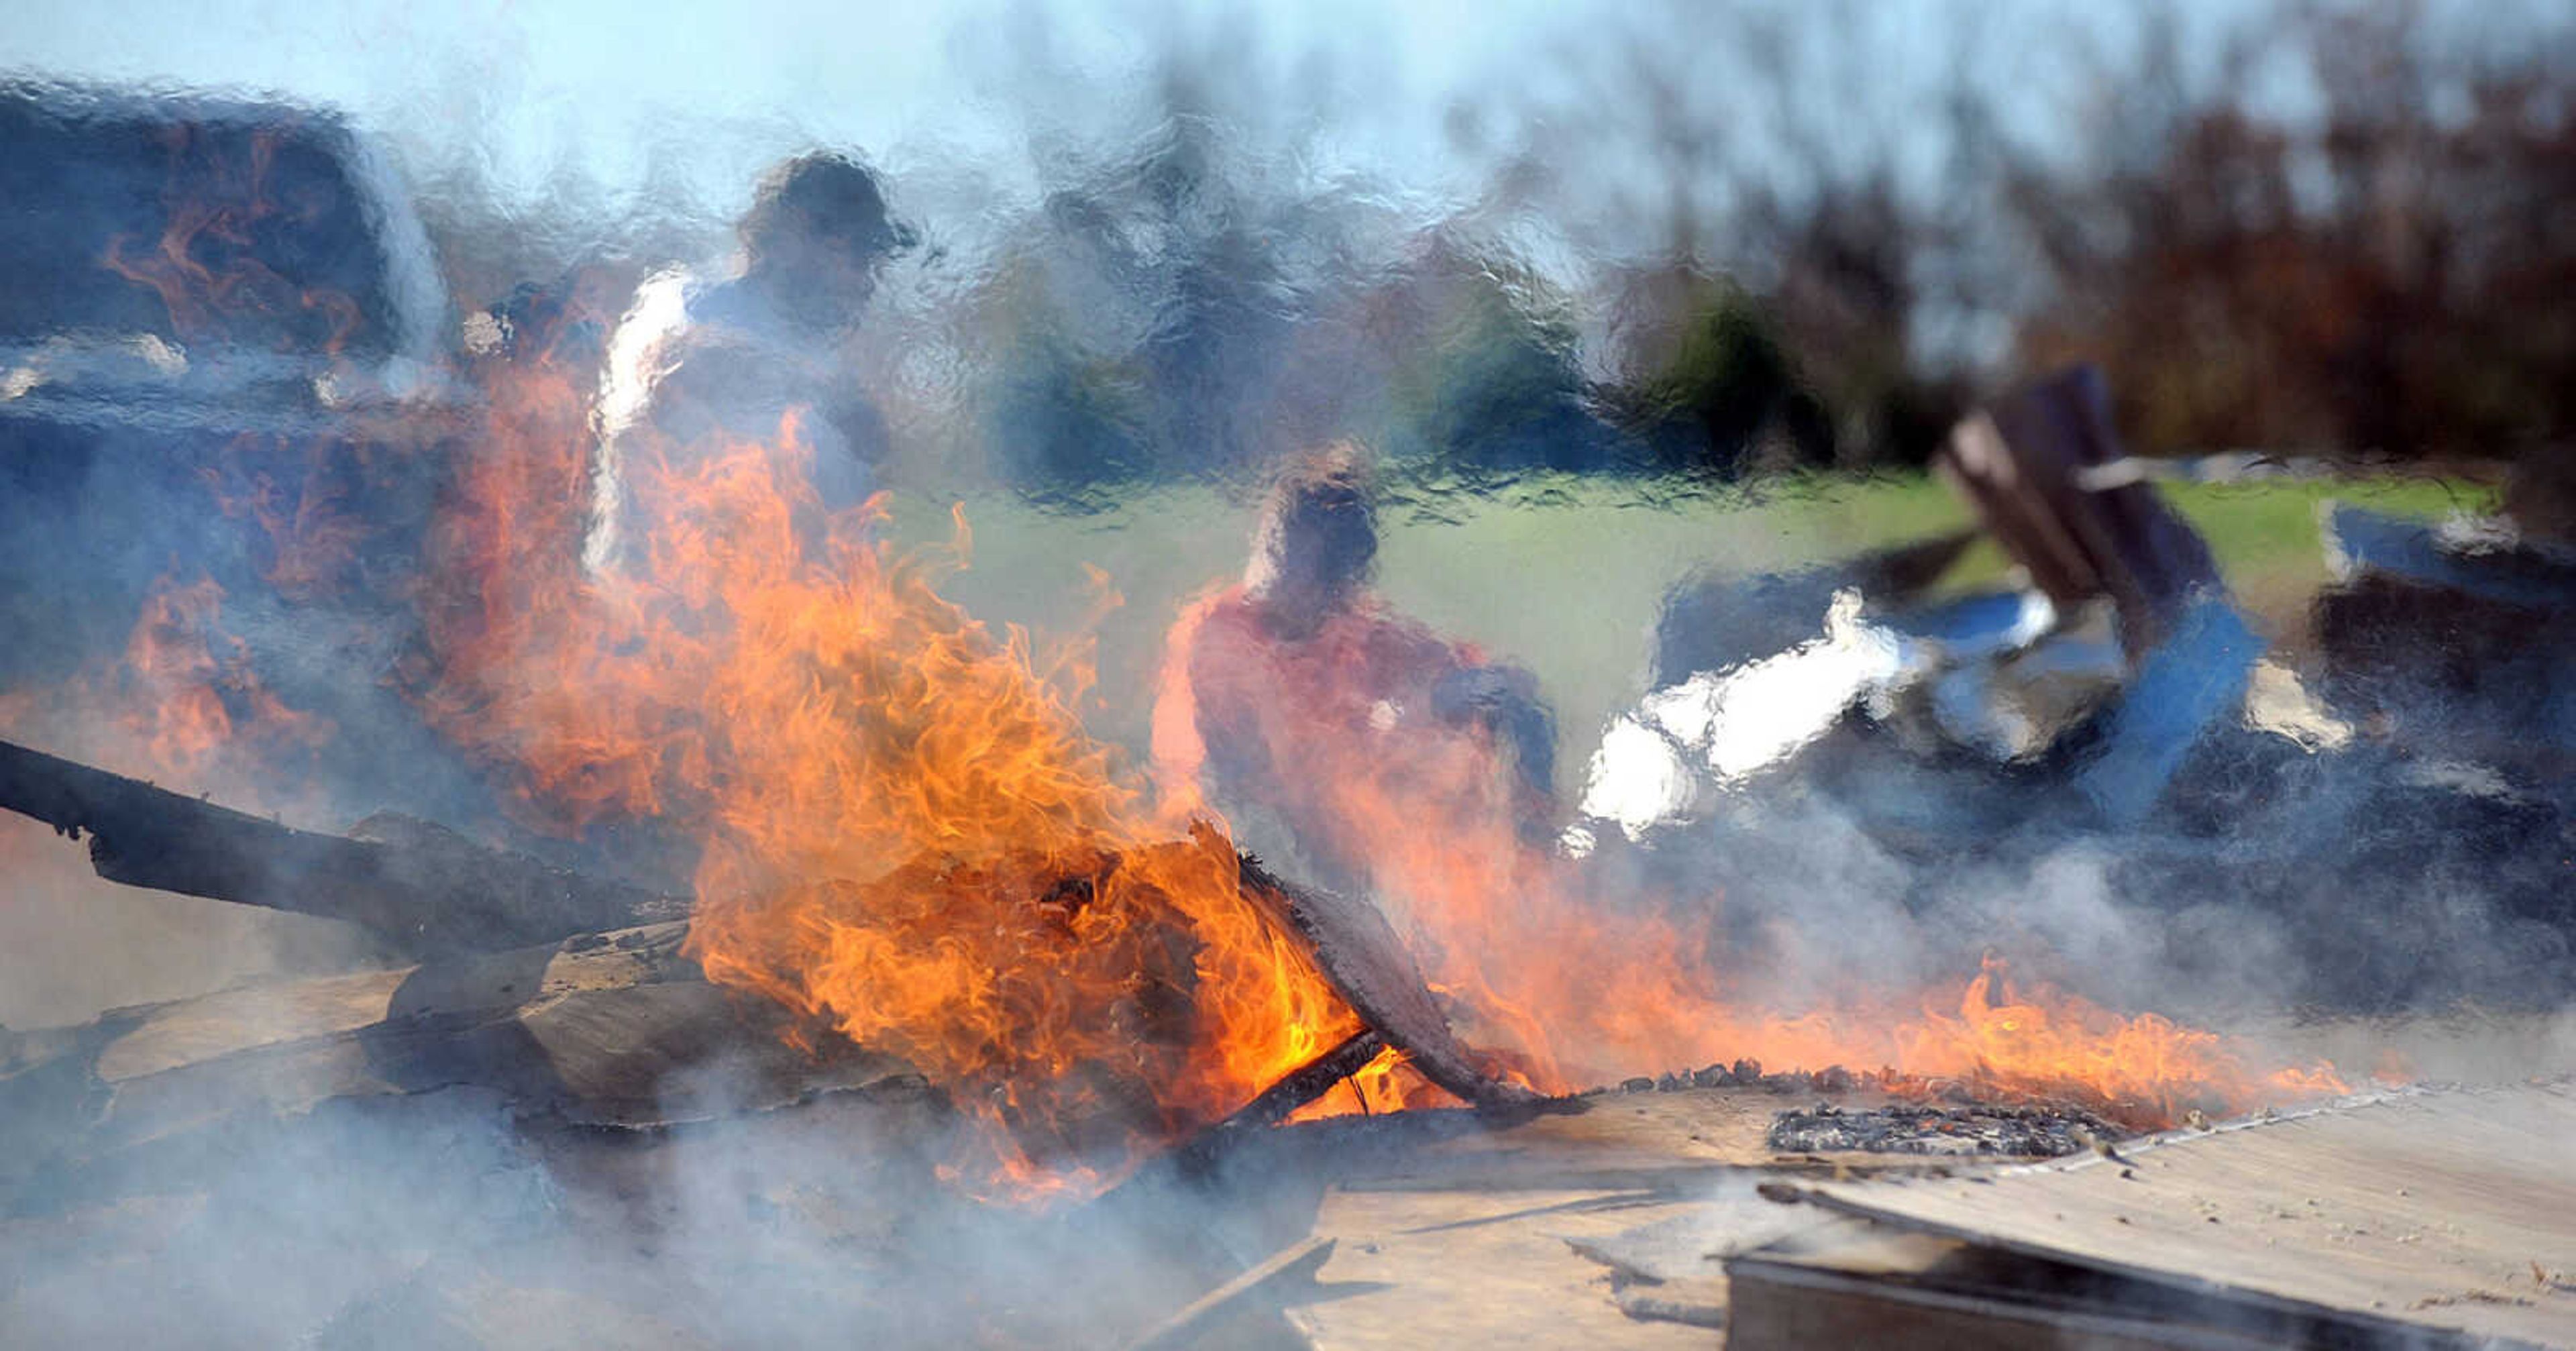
(816, 234)
(1317, 540)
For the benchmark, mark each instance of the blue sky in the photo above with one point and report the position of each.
(702, 97)
(606, 87)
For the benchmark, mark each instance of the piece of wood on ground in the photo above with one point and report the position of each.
(2451, 1210)
(1361, 954)
(1673, 1269)
(1243, 1296)
(1514, 1237)
(619, 1030)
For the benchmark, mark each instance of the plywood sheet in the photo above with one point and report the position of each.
(2455, 1209)
(1415, 1269)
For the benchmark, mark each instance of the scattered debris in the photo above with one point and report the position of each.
(2024, 1132)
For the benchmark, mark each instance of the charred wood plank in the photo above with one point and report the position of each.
(612, 1036)
(1206, 1150)
(1360, 952)
(432, 892)
(1310, 1081)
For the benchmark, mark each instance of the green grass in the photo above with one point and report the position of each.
(1564, 576)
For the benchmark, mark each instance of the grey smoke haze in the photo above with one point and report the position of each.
(1223, 220)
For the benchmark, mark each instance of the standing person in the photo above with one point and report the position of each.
(695, 364)
(1298, 697)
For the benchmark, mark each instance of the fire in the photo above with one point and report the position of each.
(905, 836)
(204, 266)
(297, 496)
(904, 833)
(1583, 988)
(184, 704)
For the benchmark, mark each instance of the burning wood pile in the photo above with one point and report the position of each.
(913, 859)
(793, 836)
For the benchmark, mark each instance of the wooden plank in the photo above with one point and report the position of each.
(1674, 1268)
(2450, 1209)
(1361, 954)
(168, 1036)
(425, 889)
(1531, 1235)
(615, 1030)
(1288, 1267)
(1855, 1283)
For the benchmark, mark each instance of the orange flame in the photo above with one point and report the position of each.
(907, 835)
(204, 267)
(1586, 989)
(185, 705)
(312, 533)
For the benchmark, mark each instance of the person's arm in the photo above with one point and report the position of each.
(1506, 701)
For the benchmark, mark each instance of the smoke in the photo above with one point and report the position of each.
(445, 1219)
(1145, 273)
(2275, 878)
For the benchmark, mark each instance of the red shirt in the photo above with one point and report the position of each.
(1333, 733)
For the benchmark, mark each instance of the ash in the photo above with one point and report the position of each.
(2024, 1132)
(1747, 1073)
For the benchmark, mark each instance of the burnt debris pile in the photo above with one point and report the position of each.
(2015, 1132)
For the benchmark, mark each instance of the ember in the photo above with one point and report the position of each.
(2023, 1132)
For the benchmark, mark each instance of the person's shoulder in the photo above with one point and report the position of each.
(1226, 610)
(1383, 626)
(1220, 622)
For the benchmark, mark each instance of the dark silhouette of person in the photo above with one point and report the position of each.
(1299, 696)
(697, 365)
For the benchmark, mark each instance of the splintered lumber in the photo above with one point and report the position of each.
(430, 892)
(434, 893)
(1360, 953)
(2417, 1218)
(1296, 1263)
(2030, 464)
(615, 1032)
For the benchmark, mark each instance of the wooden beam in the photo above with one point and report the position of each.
(1204, 1314)
(432, 893)
(1368, 963)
